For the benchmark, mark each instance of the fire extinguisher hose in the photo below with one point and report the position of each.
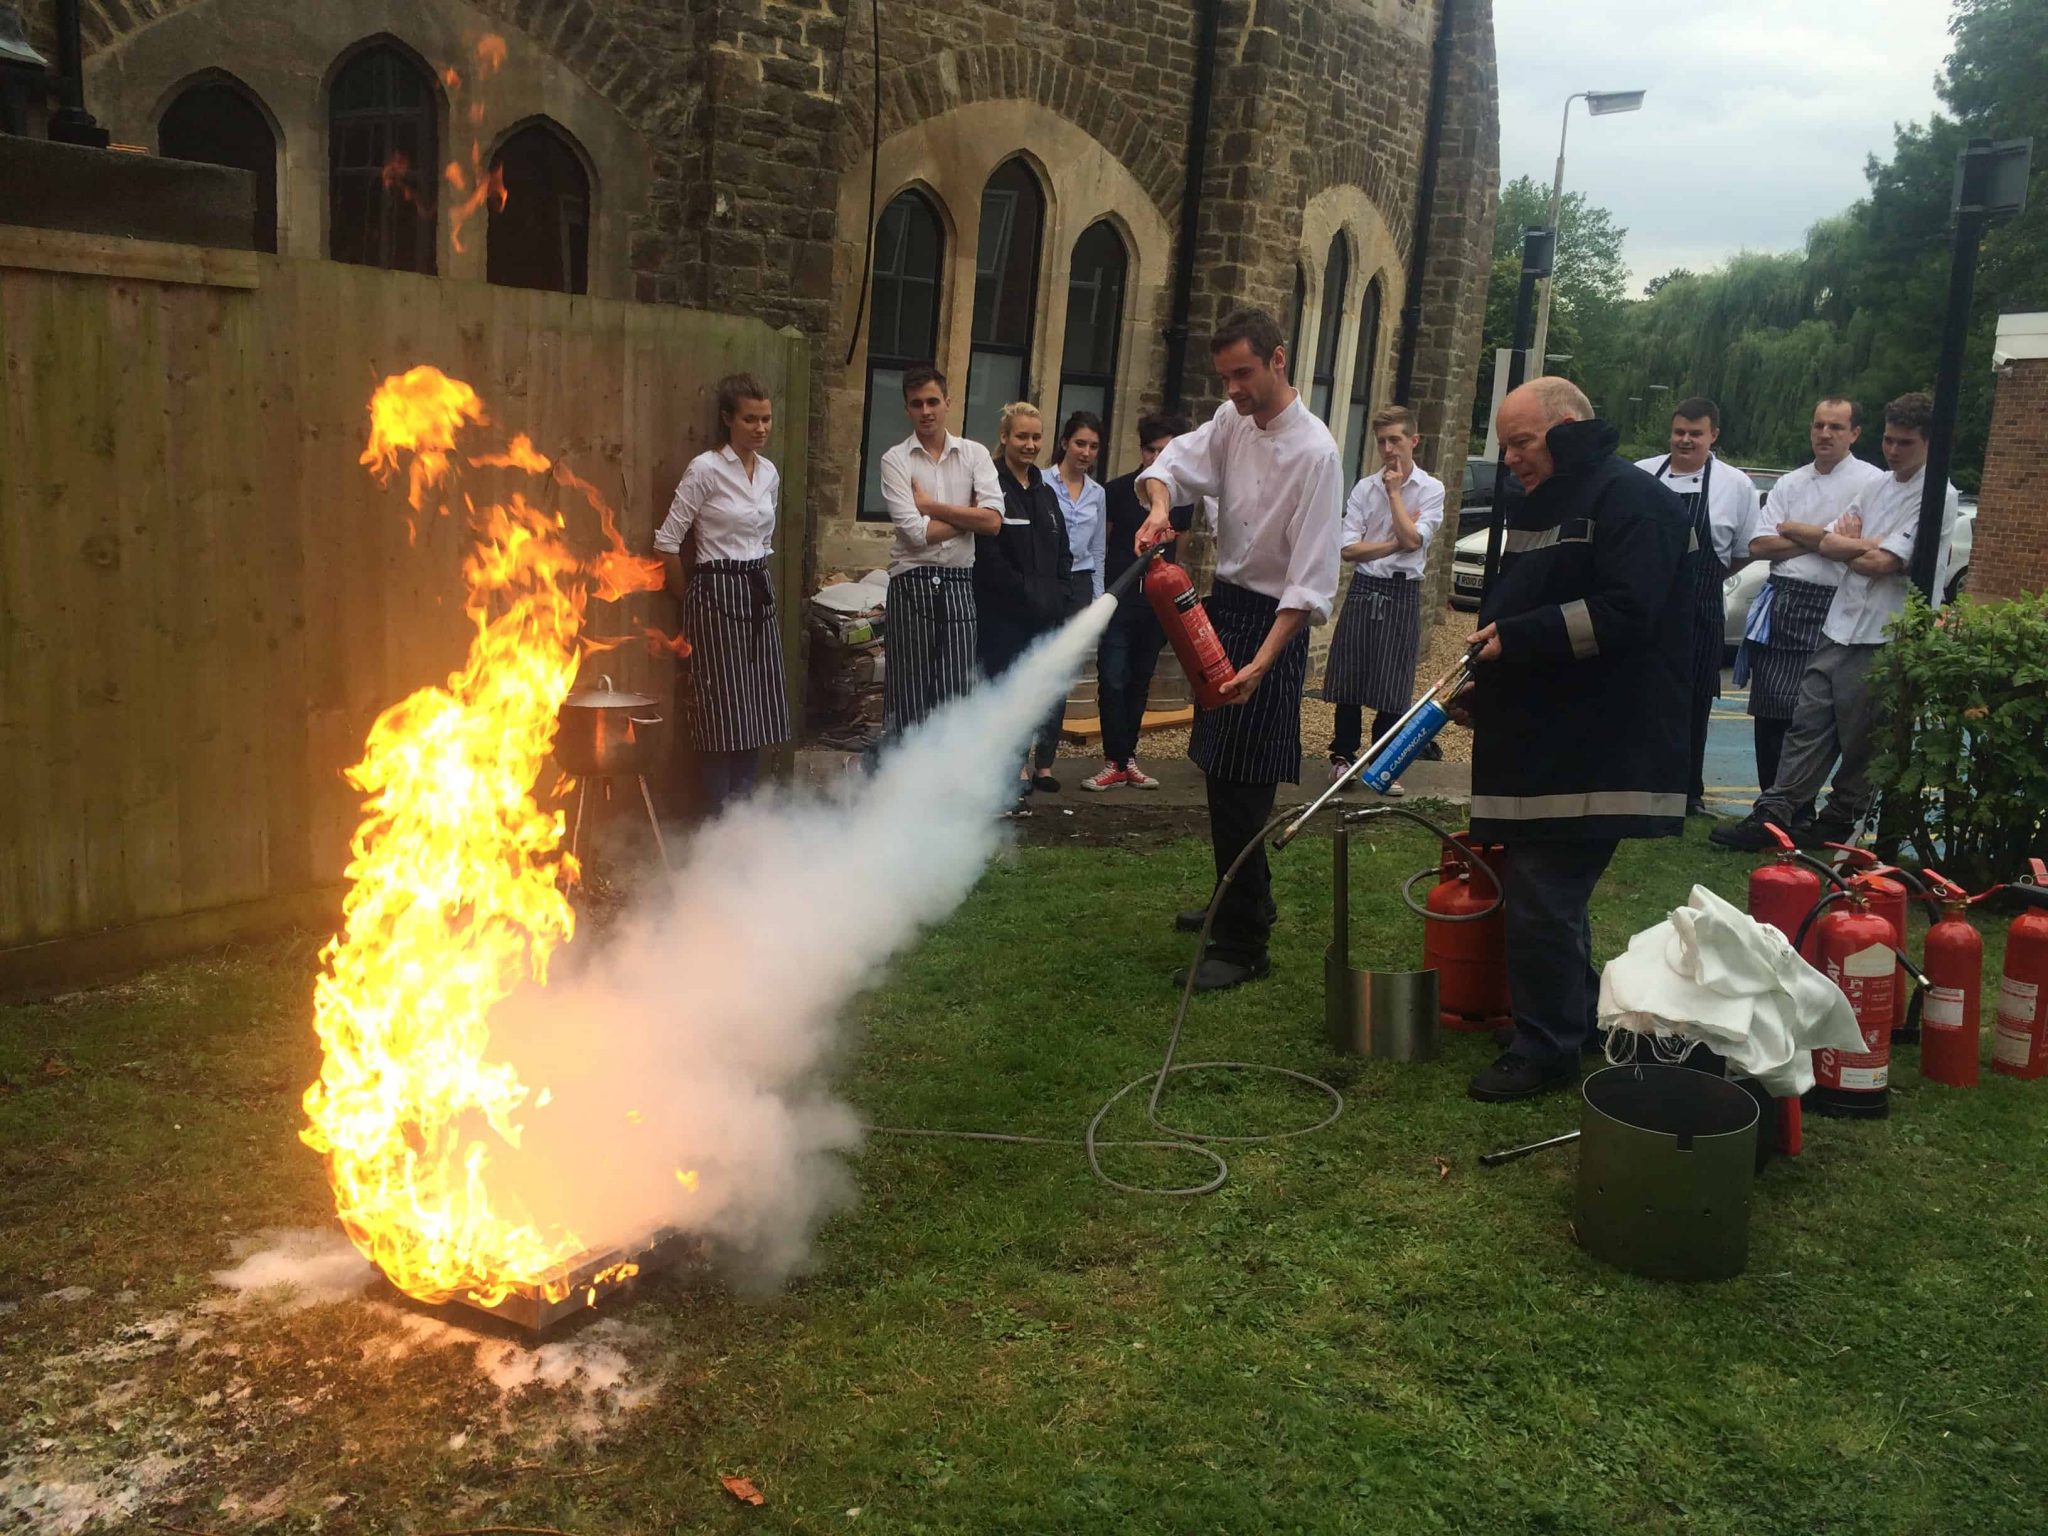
(1173, 1138)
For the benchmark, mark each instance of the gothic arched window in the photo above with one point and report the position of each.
(220, 122)
(540, 237)
(1095, 323)
(383, 153)
(1361, 376)
(903, 329)
(1005, 296)
(1336, 277)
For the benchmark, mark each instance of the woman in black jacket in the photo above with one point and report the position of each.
(1020, 576)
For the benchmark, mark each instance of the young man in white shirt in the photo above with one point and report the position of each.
(1787, 532)
(1873, 541)
(1720, 500)
(1273, 469)
(1388, 523)
(941, 491)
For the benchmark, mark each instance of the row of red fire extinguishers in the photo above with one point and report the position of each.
(1848, 921)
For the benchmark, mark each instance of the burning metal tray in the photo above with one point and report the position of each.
(590, 1279)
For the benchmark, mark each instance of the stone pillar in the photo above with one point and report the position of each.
(1454, 285)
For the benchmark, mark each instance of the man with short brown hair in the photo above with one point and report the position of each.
(1788, 529)
(941, 491)
(1389, 520)
(1273, 469)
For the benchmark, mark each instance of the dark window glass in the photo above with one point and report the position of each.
(1361, 377)
(218, 122)
(1005, 296)
(383, 158)
(1336, 277)
(1095, 322)
(903, 329)
(540, 238)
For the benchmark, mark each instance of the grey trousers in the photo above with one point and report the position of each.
(1832, 712)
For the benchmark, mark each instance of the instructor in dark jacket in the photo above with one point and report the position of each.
(1579, 709)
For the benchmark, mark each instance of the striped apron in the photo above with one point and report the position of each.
(929, 645)
(738, 695)
(1708, 575)
(1798, 609)
(1259, 742)
(1379, 636)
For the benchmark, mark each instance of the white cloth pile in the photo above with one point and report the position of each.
(1713, 974)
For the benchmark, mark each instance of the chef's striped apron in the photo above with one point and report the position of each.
(738, 696)
(1798, 609)
(1708, 576)
(1379, 636)
(1259, 742)
(930, 643)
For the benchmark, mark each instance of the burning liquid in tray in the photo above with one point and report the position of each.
(456, 895)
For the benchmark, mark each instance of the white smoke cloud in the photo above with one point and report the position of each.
(701, 1039)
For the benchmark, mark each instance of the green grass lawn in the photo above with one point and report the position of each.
(1342, 1339)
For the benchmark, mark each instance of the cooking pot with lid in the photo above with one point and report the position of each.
(605, 730)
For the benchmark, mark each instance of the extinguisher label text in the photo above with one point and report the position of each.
(2016, 1002)
(1869, 1078)
(1943, 1008)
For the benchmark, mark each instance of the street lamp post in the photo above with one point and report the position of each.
(1598, 104)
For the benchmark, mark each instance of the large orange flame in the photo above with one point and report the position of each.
(457, 878)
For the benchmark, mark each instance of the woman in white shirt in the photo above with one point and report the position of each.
(715, 545)
(1081, 503)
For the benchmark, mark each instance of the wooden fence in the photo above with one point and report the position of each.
(205, 600)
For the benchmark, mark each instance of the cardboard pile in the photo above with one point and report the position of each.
(847, 621)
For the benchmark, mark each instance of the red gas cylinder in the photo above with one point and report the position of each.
(1469, 957)
(1196, 646)
(1783, 891)
(2020, 1048)
(1955, 982)
(1887, 898)
(1854, 949)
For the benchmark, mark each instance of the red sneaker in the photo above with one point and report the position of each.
(1137, 777)
(1108, 778)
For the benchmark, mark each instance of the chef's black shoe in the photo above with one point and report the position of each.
(1818, 831)
(1744, 836)
(1697, 808)
(1191, 920)
(1514, 1077)
(1216, 974)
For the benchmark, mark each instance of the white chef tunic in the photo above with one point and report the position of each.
(1863, 605)
(1731, 508)
(1808, 496)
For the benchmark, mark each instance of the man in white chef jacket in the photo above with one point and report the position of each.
(1274, 471)
(1720, 502)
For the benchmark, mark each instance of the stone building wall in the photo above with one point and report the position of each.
(731, 143)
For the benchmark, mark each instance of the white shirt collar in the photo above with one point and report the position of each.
(913, 445)
(729, 454)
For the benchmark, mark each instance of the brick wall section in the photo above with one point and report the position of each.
(2010, 555)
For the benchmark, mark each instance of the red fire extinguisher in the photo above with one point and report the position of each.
(1954, 961)
(1464, 939)
(2020, 1048)
(1783, 891)
(1186, 622)
(1854, 950)
(1884, 885)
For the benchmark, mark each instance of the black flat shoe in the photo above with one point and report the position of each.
(1513, 1077)
(1215, 974)
(1697, 808)
(1045, 783)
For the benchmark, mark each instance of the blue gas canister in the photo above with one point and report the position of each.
(1408, 742)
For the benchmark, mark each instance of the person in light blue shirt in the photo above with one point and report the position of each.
(1081, 502)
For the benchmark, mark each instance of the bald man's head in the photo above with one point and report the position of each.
(1526, 417)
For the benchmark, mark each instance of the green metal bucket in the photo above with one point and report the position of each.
(1666, 1161)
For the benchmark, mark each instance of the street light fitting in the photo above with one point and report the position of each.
(1600, 103)
(1557, 357)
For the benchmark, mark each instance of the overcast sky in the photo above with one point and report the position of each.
(1759, 116)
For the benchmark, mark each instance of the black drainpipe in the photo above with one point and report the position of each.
(1425, 202)
(1191, 206)
(71, 123)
